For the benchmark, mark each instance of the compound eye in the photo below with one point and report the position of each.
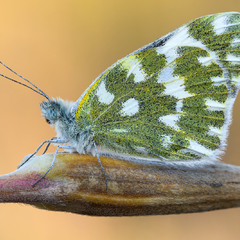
(48, 121)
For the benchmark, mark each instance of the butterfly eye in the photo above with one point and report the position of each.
(48, 121)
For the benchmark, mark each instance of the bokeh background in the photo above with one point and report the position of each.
(62, 45)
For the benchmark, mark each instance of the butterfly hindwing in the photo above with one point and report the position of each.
(172, 99)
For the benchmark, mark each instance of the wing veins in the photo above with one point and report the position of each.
(143, 144)
(184, 134)
(178, 113)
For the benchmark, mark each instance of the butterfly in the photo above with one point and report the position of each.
(168, 102)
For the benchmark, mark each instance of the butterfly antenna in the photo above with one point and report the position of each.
(38, 90)
(13, 80)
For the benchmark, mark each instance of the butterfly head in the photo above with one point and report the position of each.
(61, 115)
(51, 111)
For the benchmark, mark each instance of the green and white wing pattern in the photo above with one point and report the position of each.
(172, 99)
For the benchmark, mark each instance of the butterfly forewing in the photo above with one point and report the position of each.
(172, 99)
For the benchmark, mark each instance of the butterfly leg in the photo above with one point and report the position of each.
(48, 145)
(53, 161)
(100, 163)
(47, 141)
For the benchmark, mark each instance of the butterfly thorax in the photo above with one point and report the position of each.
(61, 115)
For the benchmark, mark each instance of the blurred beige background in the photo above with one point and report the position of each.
(62, 45)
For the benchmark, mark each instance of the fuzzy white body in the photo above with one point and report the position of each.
(61, 115)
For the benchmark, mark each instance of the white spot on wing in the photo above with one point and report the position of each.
(119, 130)
(103, 95)
(205, 60)
(185, 39)
(196, 147)
(219, 24)
(170, 120)
(218, 81)
(134, 67)
(130, 107)
(214, 105)
(177, 89)
(166, 140)
(138, 73)
(222, 24)
(179, 105)
(232, 58)
(213, 131)
(235, 41)
(166, 75)
(181, 38)
(171, 53)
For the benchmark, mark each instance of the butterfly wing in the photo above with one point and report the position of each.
(172, 99)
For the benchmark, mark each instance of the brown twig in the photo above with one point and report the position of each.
(76, 184)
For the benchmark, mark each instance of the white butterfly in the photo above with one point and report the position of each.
(168, 102)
